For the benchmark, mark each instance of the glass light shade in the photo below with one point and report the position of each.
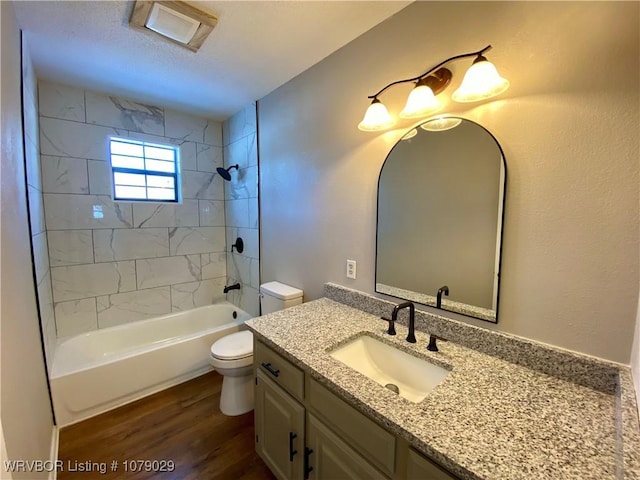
(440, 124)
(376, 118)
(421, 102)
(481, 81)
(410, 134)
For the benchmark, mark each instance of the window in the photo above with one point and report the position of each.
(144, 172)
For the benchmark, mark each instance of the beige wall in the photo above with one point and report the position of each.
(569, 128)
(26, 414)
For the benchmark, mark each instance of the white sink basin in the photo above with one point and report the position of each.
(384, 364)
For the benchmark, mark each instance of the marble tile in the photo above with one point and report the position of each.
(211, 213)
(75, 317)
(250, 301)
(188, 155)
(32, 157)
(61, 101)
(184, 127)
(70, 247)
(249, 236)
(202, 185)
(29, 79)
(69, 212)
(241, 185)
(166, 214)
(188, 240)
(239, 268)
(47, 316)
(252, 150)
(241, 124)
(82, 281)
(254, 213)
(213, 133)
(237, 153)
(237, 213)
(157, 272)
(122, 113)
(72, 139)
(209, 158)
(64, 175)
(130, 244)
(36, 210)
(186, 296)
(131, 306)
(255, 273)
(214, 265)
(40, 255)
(99, 177)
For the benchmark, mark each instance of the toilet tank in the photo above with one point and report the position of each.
(276, 296)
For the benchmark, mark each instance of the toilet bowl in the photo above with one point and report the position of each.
(232, 355)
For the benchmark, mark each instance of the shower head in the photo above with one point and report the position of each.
(224, 172)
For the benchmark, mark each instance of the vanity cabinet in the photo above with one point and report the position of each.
(279, 424)
(304, 431)
(332, 458)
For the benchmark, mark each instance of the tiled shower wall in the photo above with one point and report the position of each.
(36, 206)
(241, 148)
(113, 263)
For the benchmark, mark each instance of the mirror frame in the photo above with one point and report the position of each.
(472, 311)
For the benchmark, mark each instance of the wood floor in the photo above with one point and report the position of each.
(182, 424)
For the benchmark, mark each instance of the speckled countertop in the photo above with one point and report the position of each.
(489, 419)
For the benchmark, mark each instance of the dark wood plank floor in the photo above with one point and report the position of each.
(182, 424)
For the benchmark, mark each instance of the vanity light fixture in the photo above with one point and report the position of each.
(480, 82)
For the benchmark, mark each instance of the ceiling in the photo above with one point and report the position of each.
(256, 47)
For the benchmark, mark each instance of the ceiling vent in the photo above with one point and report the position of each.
(179, 22)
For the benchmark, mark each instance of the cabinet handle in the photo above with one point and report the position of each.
(269, 368)
(307, 468)
(292, 452)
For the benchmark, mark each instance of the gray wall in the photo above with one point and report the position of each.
(570, 135)
(27, 424)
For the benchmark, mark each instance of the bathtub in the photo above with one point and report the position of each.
(104, 369)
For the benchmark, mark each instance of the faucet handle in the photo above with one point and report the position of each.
(433, 347)
(392, 329)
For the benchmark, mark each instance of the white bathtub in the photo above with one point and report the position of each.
(104, 369)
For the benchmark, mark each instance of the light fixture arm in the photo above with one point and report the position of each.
(464, 55)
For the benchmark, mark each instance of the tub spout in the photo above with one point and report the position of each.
(227, 288)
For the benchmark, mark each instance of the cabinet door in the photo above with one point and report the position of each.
(421, 468)
(279, 423)
(332, 459)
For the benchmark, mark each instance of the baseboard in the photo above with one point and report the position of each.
(53, 454)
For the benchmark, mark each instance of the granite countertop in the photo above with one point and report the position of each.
(489, 419)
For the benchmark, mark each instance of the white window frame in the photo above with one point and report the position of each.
(175, 175)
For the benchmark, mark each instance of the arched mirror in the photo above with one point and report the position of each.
(440, 211)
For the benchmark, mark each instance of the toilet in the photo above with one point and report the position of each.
(232, 355)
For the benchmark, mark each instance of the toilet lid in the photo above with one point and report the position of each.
(233, 346)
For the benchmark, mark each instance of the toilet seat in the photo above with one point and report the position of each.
(235, 346)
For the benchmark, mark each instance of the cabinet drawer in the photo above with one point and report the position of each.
(281, 371)
(421, 468)
(368, 438)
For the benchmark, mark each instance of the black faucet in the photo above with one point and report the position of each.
(231, 287)
(441, 290)
(411, 337)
